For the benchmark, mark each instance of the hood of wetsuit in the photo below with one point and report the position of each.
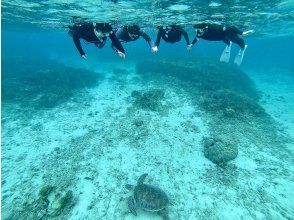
(103, 27)
(133, 29)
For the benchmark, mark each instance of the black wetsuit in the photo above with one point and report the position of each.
(123, 35)
(215, 32)
(171, 35)
(86, 31)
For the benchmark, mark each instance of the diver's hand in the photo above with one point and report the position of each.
(154, 49)
(189, 47)
(84, 56)
(121, 55)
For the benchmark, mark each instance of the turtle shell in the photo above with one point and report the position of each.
(150, 198)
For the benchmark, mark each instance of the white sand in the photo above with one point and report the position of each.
(102, 149)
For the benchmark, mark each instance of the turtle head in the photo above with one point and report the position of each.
(141, 179)
(129, 187)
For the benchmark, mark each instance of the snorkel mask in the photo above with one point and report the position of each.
(200, 32)
(133, 30)
(100, 35)
(167, 28)
(102, 30)
(105, 34)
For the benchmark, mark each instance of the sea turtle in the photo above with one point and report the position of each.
(148, 197)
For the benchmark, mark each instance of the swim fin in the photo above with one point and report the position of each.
(225, 57)
(239, 56)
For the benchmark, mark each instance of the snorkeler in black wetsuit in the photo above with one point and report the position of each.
(170, 34)
(96, 33)
(133, 32)
(216, 32)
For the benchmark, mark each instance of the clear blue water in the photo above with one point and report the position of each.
(216, 138)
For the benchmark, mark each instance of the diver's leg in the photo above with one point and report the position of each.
(232, 30)
(225, 57)
(113, 47)
(239, 57)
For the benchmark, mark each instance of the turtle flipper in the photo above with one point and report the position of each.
(141, 179)
(163, 213)
(131, 205)
(129, 187)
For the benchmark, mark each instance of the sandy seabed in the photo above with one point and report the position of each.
(85, 150)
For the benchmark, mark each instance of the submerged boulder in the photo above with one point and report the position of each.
(219, 151)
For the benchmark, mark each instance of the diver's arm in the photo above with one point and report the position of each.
(147, 38)
(184, 33)
(190, 46)
(120, 33)
(117, 45)
(157, 42)
(195, 41)
(78, 45)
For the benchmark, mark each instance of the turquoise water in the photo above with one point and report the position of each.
(216, 138)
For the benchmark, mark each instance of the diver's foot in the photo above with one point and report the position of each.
(239, 57)
(225, 57)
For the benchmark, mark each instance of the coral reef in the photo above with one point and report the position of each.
(44, 85)
(205, 75)
(51, 202)
(230, 104)
(218, 88)
(219, 150)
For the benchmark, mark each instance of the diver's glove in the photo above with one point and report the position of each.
(154, 49)
(121, 55)
(189, 47)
